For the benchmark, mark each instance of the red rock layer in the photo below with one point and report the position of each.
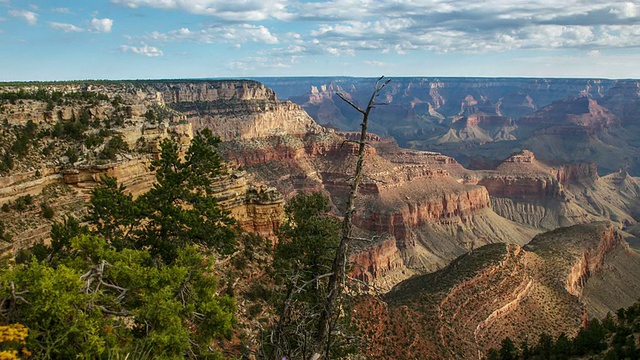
(377, 261)
(399, 220)
(576, 173)
(521, 188)
(592, 261)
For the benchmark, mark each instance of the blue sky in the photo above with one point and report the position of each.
(139, 39)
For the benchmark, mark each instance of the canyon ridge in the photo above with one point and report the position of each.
(486, 200)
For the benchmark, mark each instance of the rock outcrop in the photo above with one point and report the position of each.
(529, 191)
(582, 112)
(481, 121)
(425, 205)
(502, 290)
(380, 265)
(145, 113)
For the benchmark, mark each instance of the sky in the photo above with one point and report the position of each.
(163, 39)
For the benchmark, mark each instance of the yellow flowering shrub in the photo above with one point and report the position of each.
(11, 336)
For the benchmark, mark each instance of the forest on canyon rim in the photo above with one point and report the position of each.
(200, 219)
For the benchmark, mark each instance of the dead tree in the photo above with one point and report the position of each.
(338, 277)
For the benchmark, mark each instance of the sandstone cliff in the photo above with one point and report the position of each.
(481, 121)
(529, 191)
(140, 114)
(498, 291)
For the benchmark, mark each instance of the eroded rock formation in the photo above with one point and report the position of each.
(503, 290)
(425, 205)
(138, 105)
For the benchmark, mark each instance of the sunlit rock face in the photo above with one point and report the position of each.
(421, 208)
(552, 285)
(481, 121)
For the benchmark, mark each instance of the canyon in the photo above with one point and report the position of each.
(481, 121)
(439, 232)
(551, 285)
(428, 207)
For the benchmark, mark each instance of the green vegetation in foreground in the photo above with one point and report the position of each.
(137, 282)
(307, 243)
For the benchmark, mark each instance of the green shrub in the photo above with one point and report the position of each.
(47, 210)
(72, 154)
(93, 140)
(23, 203)
(115, 145)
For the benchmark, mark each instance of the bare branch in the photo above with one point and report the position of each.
(301, 287)
(16, 297)
(338, 279)
(344, 98)
(111, 312)
(374, 238)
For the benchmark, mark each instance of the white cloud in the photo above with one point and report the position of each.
(625, 10)
(30, 17)
(259, 63)
(149, 51)
(241, 33)
(65, 27)
(232, 10)
(471, 27)
(62, 10)
(101, 25)
(346, 27)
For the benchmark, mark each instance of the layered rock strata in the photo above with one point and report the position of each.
(461, 311)
(528, 191)
(257, 209)
(425, 205)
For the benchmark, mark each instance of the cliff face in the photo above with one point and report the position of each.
(528, 191)
(250, 121)
(577, 173)
(482, 121)
(426, 205)
(396, 216)
(380, 265)
(212, 91)
(139, 113)
(497, 291)
(592, 261)
(521, 188)
(236, 110)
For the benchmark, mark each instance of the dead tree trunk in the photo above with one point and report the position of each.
(336, 281)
